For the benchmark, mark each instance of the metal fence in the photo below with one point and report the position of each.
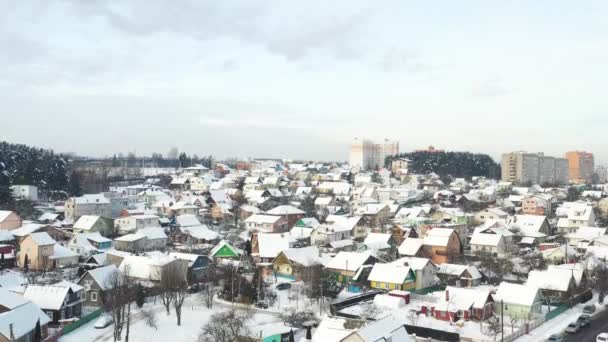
(555, 312)
(82, 321)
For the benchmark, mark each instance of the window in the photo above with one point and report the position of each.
(506, 307)
(93, 296)
(50, 314)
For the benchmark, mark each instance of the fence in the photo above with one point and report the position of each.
(82, 321)
(555, 312)
(428, 290)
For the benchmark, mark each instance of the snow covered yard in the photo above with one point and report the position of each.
(194, 317)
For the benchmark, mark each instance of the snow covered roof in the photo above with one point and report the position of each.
(91, 198)
(263, 219)
(486, 239)
(102, 275)
(410, 246)
(462, 298)
(284, 210)
(144, 267)
(458, 270)
(23, 315)
(390, 328)
(86, 222)
(26, 229)
(331, 329)
(389, 273)
(588, 233)
(47, 297)
(60, 252)
(438, 237)
(201, 232)
(46, 217)
(550, 279)
(270, 245)
(4, 214)
(187, 220)
(42, 239)
(221, 244)
(414, 263)
(306, 256)
(377, 241)
(349, 261)
(516, 294)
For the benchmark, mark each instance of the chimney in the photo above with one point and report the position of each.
(447, 295)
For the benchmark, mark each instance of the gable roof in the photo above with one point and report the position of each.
(410, 246)
(86, 222)
(23, 315)
(270, 245)
(349, 261)
(438, 237)
(516, 294)
(284, 210)
(48, 297)
(306, 256)
(102, 275)
(42, 239)
(389, 273)
(458, 270)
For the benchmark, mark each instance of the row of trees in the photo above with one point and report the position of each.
(25, 165)
(455, 164)
(173, 159)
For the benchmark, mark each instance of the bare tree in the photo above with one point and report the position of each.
(166, 287)
(180, 290)
(513, 320)
(117, 300)
(226, 326)
(369, 310)
(209, 287)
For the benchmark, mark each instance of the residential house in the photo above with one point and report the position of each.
(197, 265)
(441, 245)
(87, 244)
(19, 317)
(150, 268)
(145, 239)
(557, 284)
(467, 304)
(401, 233)
(520, 301)
(411, 247)
(60, 301)
(489, 214)
(96, 282)
(224, 251)
(375, 214)
(459, 275)
(346, 264)
(392, 276)
(196, 235)
(35, 251)
(265, 247)
(534, 228)
(424, 271)
(537, 204)
(95, 205)
(585, 236)
(300, 264)
(130, 224)
(9, 220)
(489, 243)
(266, 224)
(288, 212)
(577, 215)
(378, 242)
(92, 223)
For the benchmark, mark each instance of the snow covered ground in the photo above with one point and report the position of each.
(559, 323)
(194, 317)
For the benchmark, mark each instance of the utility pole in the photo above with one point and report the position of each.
(502, 320)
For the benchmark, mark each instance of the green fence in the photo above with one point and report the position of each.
(428, 290)
(82, 321)
(555, 312)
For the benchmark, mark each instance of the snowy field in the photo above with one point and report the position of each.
(194, 317)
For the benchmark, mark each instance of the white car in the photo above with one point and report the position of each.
(603, 337)
(104, 321)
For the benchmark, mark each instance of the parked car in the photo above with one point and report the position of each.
(555, 338)
(573, 328)
(103, 321)
(589, 309)
(283, 286)
(584, 320)
(603, 337)
(261, 305)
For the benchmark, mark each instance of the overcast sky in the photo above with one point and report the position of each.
(301, 79)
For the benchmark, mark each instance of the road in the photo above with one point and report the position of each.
(598, 324)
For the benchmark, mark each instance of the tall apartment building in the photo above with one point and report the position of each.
(367, 155)
(581, 166)
(602, 173)
(535, 168)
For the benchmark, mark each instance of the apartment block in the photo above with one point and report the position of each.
(522, 167)
(581, 166)
(368, 155)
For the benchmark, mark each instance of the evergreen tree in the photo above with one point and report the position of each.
(75, 189)
(140, 296)
(38, 332)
